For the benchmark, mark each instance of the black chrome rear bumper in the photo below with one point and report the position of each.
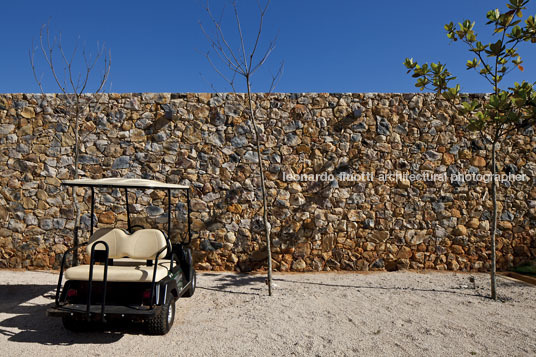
(112, 312)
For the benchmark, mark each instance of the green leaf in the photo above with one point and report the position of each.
(493, 15)
(472, 64)
(421, 83)
(496, 48)
(408, 62)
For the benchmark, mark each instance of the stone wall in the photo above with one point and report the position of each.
(204, 140)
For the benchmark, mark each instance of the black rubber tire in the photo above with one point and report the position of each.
(163, 321)
(191, 290)
(76, 325)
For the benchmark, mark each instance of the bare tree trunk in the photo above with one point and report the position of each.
(67, 84)
(244, 65)
(493, 223)
(263, 189)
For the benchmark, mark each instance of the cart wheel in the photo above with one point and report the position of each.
(191, 289)
(162, 322)
(75, 325)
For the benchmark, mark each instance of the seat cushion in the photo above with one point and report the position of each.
(127, 271)
(128, 262)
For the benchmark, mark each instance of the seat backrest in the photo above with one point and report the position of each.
(145, 243)
(142, 244)
(112, 237)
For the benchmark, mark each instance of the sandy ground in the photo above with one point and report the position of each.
(325, 314)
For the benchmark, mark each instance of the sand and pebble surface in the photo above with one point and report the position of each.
(310, 314)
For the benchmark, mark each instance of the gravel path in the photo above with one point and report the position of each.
(322, 314)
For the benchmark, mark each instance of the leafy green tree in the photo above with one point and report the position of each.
(504, 110)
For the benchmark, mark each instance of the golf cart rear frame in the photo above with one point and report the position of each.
(158, 296)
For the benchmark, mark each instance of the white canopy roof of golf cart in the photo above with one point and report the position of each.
(123, 182)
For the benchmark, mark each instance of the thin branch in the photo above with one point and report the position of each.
(242, 46)
(229, 81)
(276, 77)
(221, 53)
(106, 74)
(212, 86)
(48, 57)
(68, 64)
(31, 54)
(484, 64)
(271, 47)
(221, 36)
(261, 21)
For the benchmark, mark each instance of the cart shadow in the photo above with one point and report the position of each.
(22, 320)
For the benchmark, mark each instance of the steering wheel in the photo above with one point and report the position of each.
(136, 226)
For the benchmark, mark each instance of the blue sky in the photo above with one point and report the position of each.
(327, 46)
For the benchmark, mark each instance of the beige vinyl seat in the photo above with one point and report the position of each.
(130, 253)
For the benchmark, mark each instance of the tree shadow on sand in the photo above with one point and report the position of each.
(455, 291)
(26, 321)
(234, 284)
(226, 282)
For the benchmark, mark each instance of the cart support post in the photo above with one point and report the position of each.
(169, 214)
(128, 211)
(92, 207)
(76, 244)
(153, 284)
(189, 219)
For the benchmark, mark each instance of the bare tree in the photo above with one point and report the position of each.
(244, 61)
(75, 85)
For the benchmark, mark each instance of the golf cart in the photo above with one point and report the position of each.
(134, 274)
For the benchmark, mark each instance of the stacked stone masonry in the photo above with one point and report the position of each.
(206, 141)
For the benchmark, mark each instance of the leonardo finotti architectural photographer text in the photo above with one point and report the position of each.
(399, 176)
